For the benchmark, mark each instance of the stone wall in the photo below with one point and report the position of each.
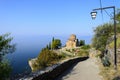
(50, 73)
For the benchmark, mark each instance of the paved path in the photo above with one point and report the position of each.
(85, 70)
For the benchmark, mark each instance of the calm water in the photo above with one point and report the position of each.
(28, 47)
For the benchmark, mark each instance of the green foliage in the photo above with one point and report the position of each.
(102, 33)
(56, 43)
(117, 16)
(83, 53)
(85, 47)
(62, 56)
(111, 45)
(82, 42)
(49, 46)
(77, 43)
(5, 46)
(53, 39)
(47, 58)
(118, 28)
(5, 70)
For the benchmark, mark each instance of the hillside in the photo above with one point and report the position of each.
(111, 45)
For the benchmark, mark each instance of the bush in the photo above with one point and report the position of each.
(47, 58)
(85, 47)
(83, 53)
(62, 56)
(5, 70)
(68, 50)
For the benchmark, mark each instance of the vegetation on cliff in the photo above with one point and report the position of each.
(111, 45)
(47, 58)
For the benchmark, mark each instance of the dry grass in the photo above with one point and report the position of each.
(109, 73)
(111, 45)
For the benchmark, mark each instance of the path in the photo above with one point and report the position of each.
(85, 70)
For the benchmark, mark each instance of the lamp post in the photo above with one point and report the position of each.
(93, 15)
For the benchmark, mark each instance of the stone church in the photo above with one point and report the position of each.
(72, 42)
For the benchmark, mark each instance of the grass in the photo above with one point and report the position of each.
(109, 73)
(111, 45)
(83, 53)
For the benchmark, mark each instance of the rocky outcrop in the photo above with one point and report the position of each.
(110, 49)
(72, 42)
(31, 63)
(110, 55)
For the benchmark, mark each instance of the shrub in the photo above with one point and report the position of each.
(47, 58)
(5, 70)
(62, 56)
(85, 47)
(83, 53)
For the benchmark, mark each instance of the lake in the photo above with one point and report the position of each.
(28, 47)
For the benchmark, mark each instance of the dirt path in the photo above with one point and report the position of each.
(85, 70)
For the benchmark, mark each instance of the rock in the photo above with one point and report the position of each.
(31, 63)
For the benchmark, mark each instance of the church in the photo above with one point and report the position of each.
(72, 42)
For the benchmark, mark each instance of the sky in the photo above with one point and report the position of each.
(52, 17)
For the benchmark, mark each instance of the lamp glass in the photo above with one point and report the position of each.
(93, 14)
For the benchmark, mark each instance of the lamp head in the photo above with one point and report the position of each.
(93, 14)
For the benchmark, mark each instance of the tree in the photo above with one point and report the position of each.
(56, 43)
(117, 16)
(49, 46)
(82, 42)
(102, 33)
(5, 70)
(77, 43)
(5, 48)
(53, 39)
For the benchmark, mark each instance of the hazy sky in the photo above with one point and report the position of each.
(51, 17)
